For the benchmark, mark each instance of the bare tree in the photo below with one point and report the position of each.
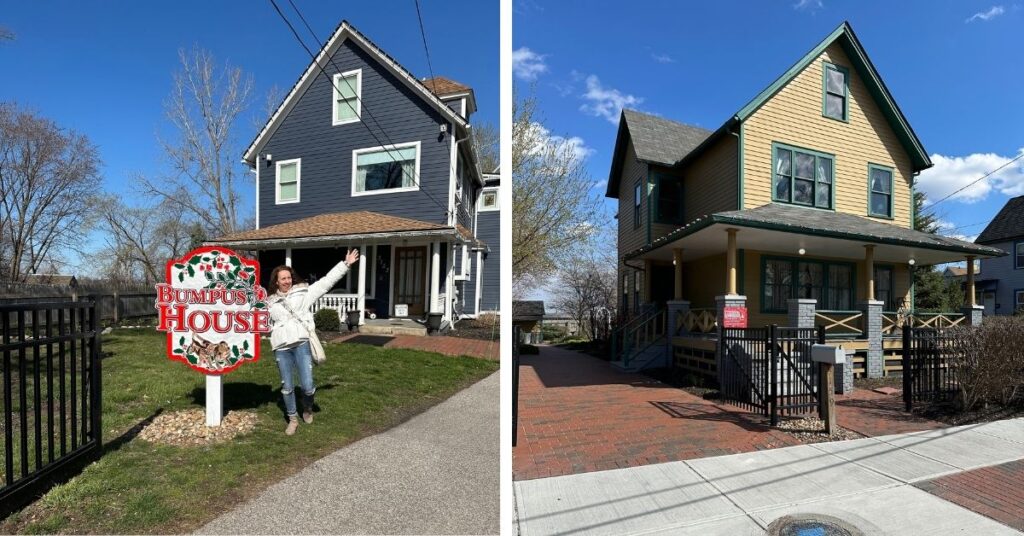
(142, 239)
(554, 209)
(204, 106)
(47, 175)
(487, 140)
(584, 289)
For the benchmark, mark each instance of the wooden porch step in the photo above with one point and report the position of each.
(385, 327)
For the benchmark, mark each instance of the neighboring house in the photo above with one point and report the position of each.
(564, 323)
(798, 207)
(527, 315)
(984, 289)
(1005, 275)
(488, 230)
(362, 154)
(54, 280)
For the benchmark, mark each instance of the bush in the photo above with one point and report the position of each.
(988, 362)
(327, 320)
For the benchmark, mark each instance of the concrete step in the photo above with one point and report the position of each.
(397, 328)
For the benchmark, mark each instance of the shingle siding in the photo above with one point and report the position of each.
(490, 287)
(1001, 268)
(398, 116)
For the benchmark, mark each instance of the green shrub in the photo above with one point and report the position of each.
(327, 320)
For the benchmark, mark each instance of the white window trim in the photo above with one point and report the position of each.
(497, 200)
(464, 270)
(277, 181)
(416, 171)
(335, 94)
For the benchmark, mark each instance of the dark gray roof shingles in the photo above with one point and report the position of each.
(527, 310)
(1007, 225)
(662, 141)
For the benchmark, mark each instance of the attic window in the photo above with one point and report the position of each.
(836, 92)
(489, 199)
(347, 94)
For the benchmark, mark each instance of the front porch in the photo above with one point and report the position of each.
(795, 267)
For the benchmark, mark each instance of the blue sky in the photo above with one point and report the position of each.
(104, 68)
(952, 66)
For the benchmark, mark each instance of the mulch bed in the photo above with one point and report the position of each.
(188, 427)
(471, 328)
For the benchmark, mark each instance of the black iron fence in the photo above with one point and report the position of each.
(769, 370)
(51, 394)
(927, 374)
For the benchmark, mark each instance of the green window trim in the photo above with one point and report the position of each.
(794, 277)
(872, 191)
(817, 179)
(658, 215)
(825, 68)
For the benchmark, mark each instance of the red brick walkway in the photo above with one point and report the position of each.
(443, 345)
(576, 414)
(995, 492)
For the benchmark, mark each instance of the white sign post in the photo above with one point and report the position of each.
(214, 399)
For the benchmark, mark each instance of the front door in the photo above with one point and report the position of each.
(411, 278)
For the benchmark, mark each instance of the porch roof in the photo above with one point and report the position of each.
(788, 228)
(341, 228)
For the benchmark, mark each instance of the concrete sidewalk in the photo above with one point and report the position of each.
(865, 482)
(438, 473)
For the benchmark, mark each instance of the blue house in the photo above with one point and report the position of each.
(1002, 287)
(362, 154)
(488, 229)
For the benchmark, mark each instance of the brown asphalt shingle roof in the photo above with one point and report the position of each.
(442, 86)
(334, 224)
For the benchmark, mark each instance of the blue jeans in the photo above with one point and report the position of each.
(300, 358)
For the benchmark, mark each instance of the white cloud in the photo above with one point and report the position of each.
(600, 185)
(810, 5)
(606, 102)
(950, 173)
(662, 58)
(527, 64)
(541, 139)
(992, 13)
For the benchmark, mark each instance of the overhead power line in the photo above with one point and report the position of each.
(362, 104)
(425, 49)
(975, 181)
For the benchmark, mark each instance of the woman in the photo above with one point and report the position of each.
(290, 302)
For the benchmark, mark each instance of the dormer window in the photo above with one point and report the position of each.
(347, 94)
(837, 80)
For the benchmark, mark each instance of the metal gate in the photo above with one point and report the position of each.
(51, 380)
(927, 376)
(769, 370)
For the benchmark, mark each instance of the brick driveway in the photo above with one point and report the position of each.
(577, 415)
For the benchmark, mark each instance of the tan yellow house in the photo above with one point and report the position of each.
(799, 208)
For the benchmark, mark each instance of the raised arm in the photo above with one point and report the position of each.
(318, 289)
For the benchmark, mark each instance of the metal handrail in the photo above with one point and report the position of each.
(647, 336)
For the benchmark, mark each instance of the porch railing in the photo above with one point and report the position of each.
(640, 337)
(342, 303)
(701, 321)
(841, 323)
(937, 320)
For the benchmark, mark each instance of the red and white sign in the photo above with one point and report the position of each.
(734, 316)
(213, 310)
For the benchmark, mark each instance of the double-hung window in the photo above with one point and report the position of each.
(1018, 255)
(347, 93)
(636, 205)
(802, 177)
(1018, 300)
(668, 195)
(386, 169)
(288, 174)
(836, 92)
(783, 279)
(880, 184)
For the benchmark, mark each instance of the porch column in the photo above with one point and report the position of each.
(869, 273)
(449, 283)
(801, 312)
(435, 275)
(872, 325)
(730, 263)
(677, 265)
(361, 299)
(288, 257)
(972, 311)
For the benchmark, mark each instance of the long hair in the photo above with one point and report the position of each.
(272, 286)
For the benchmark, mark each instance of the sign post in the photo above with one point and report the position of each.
(213, 311)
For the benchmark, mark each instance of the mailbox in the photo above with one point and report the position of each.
(823, 353)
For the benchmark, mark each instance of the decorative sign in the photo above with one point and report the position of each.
(734, 316)
(401, 309)
(212, 309)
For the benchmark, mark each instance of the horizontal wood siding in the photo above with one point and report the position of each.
(1008, 277)
(794, 117)
(711, 181)
(630, 238)
(326, 150)
(489, 230)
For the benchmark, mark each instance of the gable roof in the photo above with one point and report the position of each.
(686, 150)
(656, 140)
(1007, 225)
(345, 31)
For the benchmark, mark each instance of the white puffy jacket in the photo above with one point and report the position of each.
(286, 329)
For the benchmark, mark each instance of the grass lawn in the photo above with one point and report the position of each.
(139, 487)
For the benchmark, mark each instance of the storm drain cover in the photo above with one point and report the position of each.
(811, 525)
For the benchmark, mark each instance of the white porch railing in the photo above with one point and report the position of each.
(342, 303)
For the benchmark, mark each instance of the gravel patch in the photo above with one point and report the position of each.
(188, 427)
(812, 430)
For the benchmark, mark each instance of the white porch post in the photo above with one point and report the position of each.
(288, 256)
(435, 275)
(361, 299)
(479, 276)
(449, 281)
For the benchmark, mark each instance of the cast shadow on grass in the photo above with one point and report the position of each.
(248, 395)
(130, 434)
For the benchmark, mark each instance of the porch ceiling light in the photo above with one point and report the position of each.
(911, 262)
(802, 251)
